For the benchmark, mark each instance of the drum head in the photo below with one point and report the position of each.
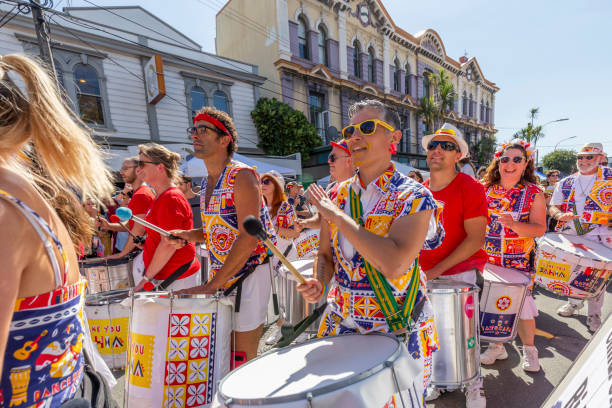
(317, 366)
(105, 298)
(496, 273)
(448, 286)
(578, 246)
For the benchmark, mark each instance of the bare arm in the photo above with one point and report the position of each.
(536, 226)
(475, 229)
(312, 222)
(288, 233)
(137, 230)
(556, 212)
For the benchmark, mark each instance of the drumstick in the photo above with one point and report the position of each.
(254, 227)
(125, 214)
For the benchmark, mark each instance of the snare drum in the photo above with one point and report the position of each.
(179, 349)
(109, 323)
(572, 266)
(305, 246)
(350, 370)
(457, 362)
(501, 302)
(292, 305)
(104, 275)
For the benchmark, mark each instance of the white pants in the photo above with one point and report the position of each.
(253, 300)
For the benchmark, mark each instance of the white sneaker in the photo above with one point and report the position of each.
(594, 323)
(475, 398)
(274, 337)
(569, 309)
(432, 393)
(530, 359)
(494, 352)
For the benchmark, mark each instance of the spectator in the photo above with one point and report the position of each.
(416, 176)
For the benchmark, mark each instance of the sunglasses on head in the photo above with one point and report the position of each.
(141, 163)
(588, 157)
(332, 157)
(445, 145)
(367, 127)
(515, 159)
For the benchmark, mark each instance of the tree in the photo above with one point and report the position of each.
(428, 110)
(531, 133)
(444, 91)
(562, 160)
(283, 130)
(483, 150)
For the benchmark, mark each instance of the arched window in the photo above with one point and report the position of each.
(303, 38)
(464, 109)
(356, 61)
(198, 100)
(488, 113)
(396, 76)
(471, 106)
(426, 84)
(371, 56)
(407, 80)
(482, 111)
(89, 97)
(220, 101)
(323, 46)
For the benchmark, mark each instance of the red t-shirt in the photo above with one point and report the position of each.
(462, 199)
(169, 211)
(141, 201)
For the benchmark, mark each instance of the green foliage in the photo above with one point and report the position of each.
(283, 130)
(531, 133)
(483, 150)
(428, 110)
(435, 108)
(562, 160)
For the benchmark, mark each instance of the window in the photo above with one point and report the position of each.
(371, 77)
(396, 76)
(407, 80)
(303, 38)
(315, 102)
(471, 106)
(220, 101)
(323, 46)
(426, 84)
(89, 98)
(198, 100)
(464, 109)
(488, 113)
(356, 61)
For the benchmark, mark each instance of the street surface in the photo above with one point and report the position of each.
(559, 342)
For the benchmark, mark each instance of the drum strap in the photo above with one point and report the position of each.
(397, 318)
(174, 276)
(580, 230)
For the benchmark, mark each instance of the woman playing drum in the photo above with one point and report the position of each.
(517, 212)
(44, 158)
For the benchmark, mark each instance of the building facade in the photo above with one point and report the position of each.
(319, 56)
(101, 57)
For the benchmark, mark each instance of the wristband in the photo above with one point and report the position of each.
(145, 277)
(324, 288)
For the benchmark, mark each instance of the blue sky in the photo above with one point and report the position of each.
(549, 54)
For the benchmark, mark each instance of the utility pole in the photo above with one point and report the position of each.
(42, 33)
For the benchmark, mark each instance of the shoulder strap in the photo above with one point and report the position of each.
(45, 232)
(397, 318)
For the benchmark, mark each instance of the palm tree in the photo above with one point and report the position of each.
(533, 114)
(429, 111)
(444, 91)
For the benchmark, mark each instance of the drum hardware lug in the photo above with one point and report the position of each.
(309, 399)
(229, 401)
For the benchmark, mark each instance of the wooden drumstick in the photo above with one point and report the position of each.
(253, 226)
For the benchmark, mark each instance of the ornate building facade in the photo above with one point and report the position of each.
(319, 56)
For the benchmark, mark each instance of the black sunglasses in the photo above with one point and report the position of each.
(200, 130)
(588, 157)
(266, 181)
(332, 157)
(141, 163)
(515, 159)
(445, 145)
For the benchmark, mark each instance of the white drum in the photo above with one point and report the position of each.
(104, 275)
(572, 266)
(305, 246)
(179, 349)
(348, 371)
(501, 302)
(109, 324)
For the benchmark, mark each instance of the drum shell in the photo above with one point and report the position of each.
(455, 305)
(109, 325)
(292, 304)
(335, 383)
(104, 276)
(503, 295)
(572, 266)
(179, 348)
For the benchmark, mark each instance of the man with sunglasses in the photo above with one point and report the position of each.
(229, 194)
(376, 227)
(581, 206)
(464, 217)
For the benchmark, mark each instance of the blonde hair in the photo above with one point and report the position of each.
(64, 160)
(161, 155)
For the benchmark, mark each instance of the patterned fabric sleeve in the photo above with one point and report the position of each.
(286, 217)
(418, 198)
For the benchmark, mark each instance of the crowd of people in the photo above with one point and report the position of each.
(383, 234)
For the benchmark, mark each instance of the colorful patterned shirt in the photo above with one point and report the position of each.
(503, 246)
(43, 361)
(220, 222)
(285, 217)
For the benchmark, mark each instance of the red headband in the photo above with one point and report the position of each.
(206, 117)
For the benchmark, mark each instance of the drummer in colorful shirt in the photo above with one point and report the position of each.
(517, 215)
(369, 246)
(464, 218)
(581, 203)
(229, 194)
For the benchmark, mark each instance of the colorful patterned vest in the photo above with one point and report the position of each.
(503, 246)
(220, 222)
(598, 202)
(351, 294)
(43, 361)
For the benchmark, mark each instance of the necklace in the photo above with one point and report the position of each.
(579, 183)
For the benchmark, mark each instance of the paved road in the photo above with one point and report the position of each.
(506, 384)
